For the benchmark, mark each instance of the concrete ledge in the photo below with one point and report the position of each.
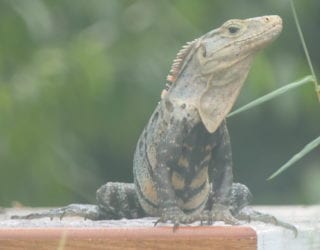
(76, 233)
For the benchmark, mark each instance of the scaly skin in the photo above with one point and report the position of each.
(183, 164)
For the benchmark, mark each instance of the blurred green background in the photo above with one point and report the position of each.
(79, 80)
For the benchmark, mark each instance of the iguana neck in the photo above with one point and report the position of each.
(229, 77)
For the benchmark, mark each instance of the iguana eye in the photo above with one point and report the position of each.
(233, 29)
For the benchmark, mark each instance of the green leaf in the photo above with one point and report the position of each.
(273, 94)
(315, 81)
(308, 148)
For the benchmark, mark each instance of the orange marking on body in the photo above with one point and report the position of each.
(200, 178)
(178, 182)
(149, 191)
(183, 162)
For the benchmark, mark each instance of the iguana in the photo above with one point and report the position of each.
(182, 164)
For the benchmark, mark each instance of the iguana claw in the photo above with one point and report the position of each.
(219, 213)
(176, 216)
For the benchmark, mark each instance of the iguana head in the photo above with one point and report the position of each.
(209, 71)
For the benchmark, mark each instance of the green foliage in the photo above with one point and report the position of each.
(79, 79)
(276, 93)
(317, 86)
(315, 143)
(306, 150)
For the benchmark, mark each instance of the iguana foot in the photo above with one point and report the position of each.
(249, 214)
(176, 216)
(218, 213)
(91, 212)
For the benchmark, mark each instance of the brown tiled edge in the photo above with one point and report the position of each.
(65, 238)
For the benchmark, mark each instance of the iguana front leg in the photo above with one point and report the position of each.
(221, 178)
(220, 167)
(230, 201)
(169, 151)
(169, 209)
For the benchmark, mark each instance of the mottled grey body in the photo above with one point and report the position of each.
(183, 164)
(172, 160)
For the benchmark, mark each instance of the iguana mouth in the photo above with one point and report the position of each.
(268, 35)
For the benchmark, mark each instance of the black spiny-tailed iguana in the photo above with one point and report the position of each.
(182, 164)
